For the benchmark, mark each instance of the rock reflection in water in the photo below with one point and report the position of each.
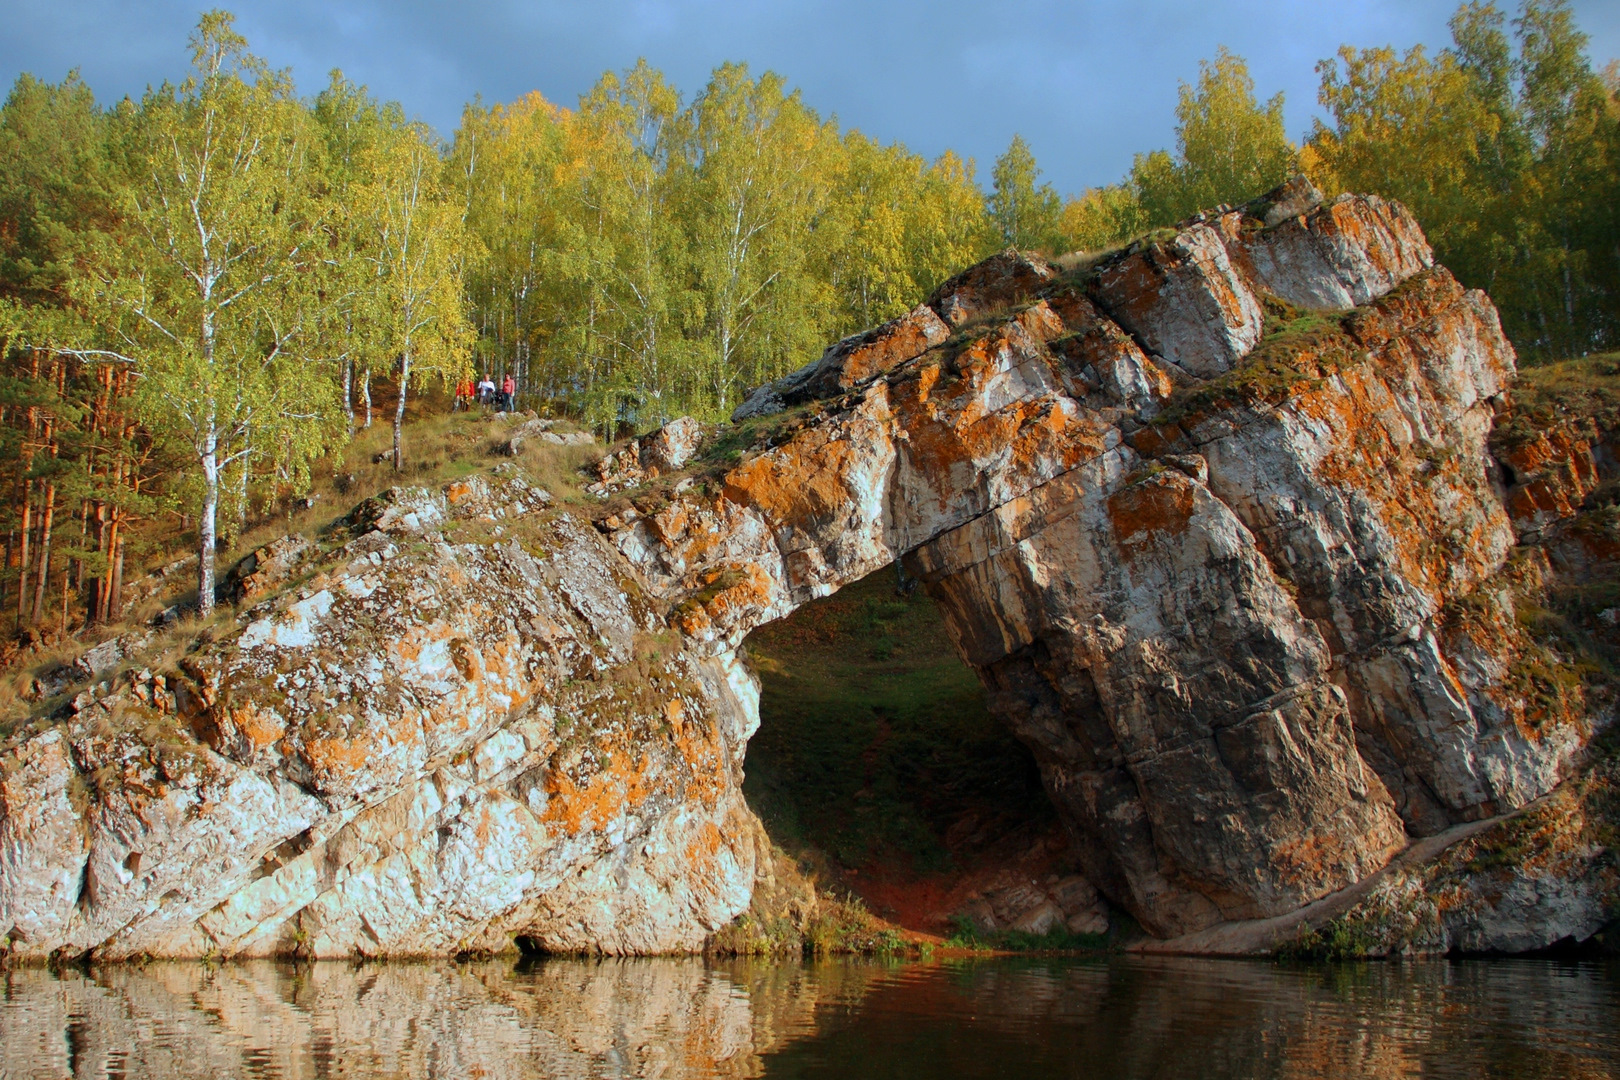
(667, 1018)
(688, 1018)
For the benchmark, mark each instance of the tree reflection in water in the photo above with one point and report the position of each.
(1121, 1017)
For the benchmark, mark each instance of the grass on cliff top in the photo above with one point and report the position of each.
(1296, 347)
(1546, 394)
(874, 736)
(439, 447)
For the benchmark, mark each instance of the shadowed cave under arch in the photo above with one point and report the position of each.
(880, 768)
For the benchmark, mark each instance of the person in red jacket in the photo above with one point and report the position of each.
(508, 392)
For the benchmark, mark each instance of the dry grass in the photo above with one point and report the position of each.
(1546, 395)
(161, 653)
(439, 447)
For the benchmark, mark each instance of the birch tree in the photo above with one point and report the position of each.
(213, 301)
(756, 188)
(418, 316)
(636, 126)
(1027, 216)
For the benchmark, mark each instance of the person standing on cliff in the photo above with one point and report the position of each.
(486, 390)
(508, 392)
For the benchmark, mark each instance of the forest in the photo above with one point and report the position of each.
(205, 293)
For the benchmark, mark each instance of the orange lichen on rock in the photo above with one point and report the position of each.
(705, 846)
(726, 592)
(603, 796)
(337, 760)
(1161, 503)
(260, 727)
(1555, 472)
(1315, 855)
(893, 344)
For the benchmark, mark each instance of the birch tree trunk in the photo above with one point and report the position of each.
(206, 526)
(399, 410)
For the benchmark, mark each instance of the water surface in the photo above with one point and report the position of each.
(1119, 1017)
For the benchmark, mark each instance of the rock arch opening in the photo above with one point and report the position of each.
(881, 769)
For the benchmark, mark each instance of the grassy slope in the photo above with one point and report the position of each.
(439, 447)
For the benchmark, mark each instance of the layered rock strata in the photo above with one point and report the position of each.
(1212, 517)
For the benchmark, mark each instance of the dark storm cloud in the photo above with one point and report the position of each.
(1088, 84)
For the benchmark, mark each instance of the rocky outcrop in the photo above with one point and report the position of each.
(1226, 619)
(469, 725)
(1213, 519)
(1539, 878)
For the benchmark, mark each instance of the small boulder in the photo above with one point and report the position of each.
(398, 511)
(266, 569)
(671, 446)
(997, 283)
(1293, 198)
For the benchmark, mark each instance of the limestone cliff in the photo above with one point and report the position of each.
(1213, 517)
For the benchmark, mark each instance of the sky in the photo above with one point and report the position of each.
(1088, 83)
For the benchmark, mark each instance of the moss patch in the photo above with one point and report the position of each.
(1296, 348)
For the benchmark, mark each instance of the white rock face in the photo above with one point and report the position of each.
(1186, 302)
(434, 747)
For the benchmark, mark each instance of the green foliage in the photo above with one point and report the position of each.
(1026, 217)
(248, 261)
(1341, 939)
(1548, 394)
(414, 264)
(1102, 218)
(55, 180)
(645, 259)
(212, 294)
(1508, 152)
(967, 936)
(846, 927)
(1230, 148)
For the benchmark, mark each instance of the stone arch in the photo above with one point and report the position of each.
(1203, 590)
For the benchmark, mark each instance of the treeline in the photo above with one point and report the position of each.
(640, 259)
(200, 290)
(1506, 146)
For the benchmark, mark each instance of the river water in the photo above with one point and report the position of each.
(1026, 1018)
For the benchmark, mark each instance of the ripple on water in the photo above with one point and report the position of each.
(1122, 1017)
